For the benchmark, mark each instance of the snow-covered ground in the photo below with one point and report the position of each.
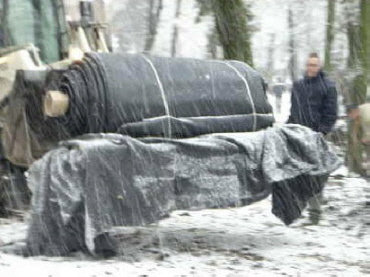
(247, 241)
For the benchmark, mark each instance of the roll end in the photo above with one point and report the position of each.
(55, 103)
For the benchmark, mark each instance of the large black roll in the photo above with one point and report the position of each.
(140, 95)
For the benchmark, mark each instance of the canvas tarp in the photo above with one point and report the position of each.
(88, 185)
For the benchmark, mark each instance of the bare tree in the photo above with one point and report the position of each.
(357, 14)
(154, 13)
(231, 23)
(205, 8)
(292, 48)
(329, 34)
(365, 37)
(175, 29)
(271, 53)
(5, 37)
(358, 45)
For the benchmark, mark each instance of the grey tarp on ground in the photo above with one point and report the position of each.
(86, 186)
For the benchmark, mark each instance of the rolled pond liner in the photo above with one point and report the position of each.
(55, 103)
(45, 129)
(192, 126)
(139, 95)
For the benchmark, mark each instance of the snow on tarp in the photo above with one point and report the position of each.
(88, 185)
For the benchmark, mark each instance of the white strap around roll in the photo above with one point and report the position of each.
(248, 92)
(164, 98)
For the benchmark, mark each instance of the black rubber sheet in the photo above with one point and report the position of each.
(90, 184)
(141, 95)
(134, 95)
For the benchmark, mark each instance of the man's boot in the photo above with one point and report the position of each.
(314, 211)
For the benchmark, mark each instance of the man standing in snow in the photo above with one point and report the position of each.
(314, 105)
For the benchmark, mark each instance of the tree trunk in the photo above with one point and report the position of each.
(354, 45)
(231, 24)
(153, 20)
(292, 50)
(175, 29)
(359, 54)
(329, 34)
(6, 39)
(270, 53)
(365, 37)
(213, 43)
(358, 39)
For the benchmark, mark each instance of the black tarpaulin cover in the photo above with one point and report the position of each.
(135, 95)
(88, 185)
(141, 95)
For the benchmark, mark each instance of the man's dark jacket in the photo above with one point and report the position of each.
(314, 103)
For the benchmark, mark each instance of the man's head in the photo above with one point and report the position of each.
(313, 65)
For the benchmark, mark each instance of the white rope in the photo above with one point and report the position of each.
(212, 116)
(164, 99)
(248, 92)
